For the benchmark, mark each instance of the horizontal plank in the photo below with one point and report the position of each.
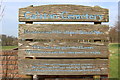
(64, 41)
(63, 31)
(8, 57)
(9, 62)
(9, 67)
(9, 71)
(9, 53)
(63, 66)
(62, 49)
(14, 76)
(59, 45)
(63, 13)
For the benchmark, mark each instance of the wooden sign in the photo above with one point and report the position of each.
(63, 67)
(62, 49)
(63, 13)
(56, 31)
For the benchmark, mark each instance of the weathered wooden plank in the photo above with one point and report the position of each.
(9, 71)
(10, 67)
(9, 62)
(9, 53)
(62, 49)
(63, 31)
(63, 66)
(63, 13)
(8, 57)
(59, 45)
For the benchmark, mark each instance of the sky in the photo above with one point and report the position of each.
(10, 20)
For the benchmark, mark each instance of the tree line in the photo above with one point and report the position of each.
(8, 40)
(114, 33)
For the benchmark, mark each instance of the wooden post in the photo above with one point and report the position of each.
(96, 77)
(30, 77)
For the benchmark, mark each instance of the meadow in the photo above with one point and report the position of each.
(114, 48)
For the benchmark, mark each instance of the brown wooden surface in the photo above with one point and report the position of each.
(9, 62)
(9, 69)
(63, 28)
(64, 66)
(70, 9)
(100, 41)
(62, 47)
(8, 57)
(9, 53)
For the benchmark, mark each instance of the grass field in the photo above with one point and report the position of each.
(8, 47)
(114, 59)
(113, 48)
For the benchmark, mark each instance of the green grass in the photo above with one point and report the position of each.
(8, 47)
(113, 48)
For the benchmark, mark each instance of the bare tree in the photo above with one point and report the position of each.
(114, 33)
(2, 9)
(9, 40)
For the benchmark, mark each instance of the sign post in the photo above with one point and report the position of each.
(63, 49)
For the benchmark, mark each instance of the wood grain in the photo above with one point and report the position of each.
(69, 9)
(63, 31)
(63, 66)
(65, 47)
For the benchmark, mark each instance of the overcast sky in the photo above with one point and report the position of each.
(10, 20)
